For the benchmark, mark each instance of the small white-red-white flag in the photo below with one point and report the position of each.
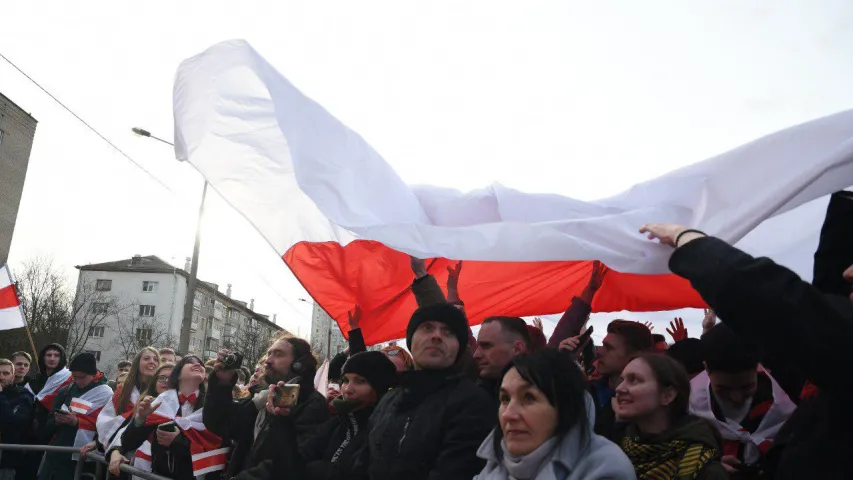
(10, 306)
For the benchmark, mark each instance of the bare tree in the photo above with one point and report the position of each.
(251, 340)
(92, 309)
(46, 299)
(134, 332)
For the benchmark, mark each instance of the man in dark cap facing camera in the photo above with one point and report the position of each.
(433, 423)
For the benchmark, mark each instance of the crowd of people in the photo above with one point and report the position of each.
(758, 395)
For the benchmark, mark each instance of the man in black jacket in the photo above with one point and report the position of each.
(809, 326)
(431, 425)
(265, 440)
(16, 409)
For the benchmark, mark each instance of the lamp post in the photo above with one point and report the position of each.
(186, 322)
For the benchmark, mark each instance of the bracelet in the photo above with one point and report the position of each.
(689, 230)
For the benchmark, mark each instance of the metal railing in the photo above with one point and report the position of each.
(99, 459)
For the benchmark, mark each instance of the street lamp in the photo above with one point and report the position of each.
(186, 323)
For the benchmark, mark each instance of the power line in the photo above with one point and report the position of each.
(85, 123)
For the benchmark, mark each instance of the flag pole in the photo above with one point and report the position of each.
(23, 315)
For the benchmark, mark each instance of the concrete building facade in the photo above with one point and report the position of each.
(17, 130)
(326, 336)
(139, 301)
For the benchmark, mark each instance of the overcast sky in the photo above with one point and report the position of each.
(583, 99)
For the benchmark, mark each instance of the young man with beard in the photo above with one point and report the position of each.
(266, 437)
(16, 409)
(431, 425)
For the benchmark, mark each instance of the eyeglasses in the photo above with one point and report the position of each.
(162, 378)
(393, 353)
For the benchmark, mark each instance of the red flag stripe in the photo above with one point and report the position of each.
(8, 297)
(88, 421)
(209, 461)
(142, 455)
(378, 280)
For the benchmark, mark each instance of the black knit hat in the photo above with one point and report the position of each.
(84, 362)
(446, 314)
(336, 365)
(375, 367)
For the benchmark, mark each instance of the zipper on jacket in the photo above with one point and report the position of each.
(403, 437)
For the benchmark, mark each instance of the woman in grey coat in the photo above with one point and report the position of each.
(545, 430)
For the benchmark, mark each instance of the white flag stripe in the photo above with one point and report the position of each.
(298, 174)
(11, 318)
(209, 453)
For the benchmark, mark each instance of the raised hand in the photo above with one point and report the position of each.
(354, 318)
(649, 325)
(677, 330)
(574, 344)
(537, 322)
(596, 279)
(418, 267)
(709, 321)
(453, 282)
(146, 407)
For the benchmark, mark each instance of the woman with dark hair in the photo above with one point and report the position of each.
(167, 431)
(662, 440)
(116, 454)
(332, 452)
(545, 429)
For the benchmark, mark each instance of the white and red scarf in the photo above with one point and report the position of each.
(205, 446)
(113, 416)
(47, 395)
(87, 407)
(756, 443)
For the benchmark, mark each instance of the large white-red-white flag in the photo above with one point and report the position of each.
(10, 305)
(345, 223)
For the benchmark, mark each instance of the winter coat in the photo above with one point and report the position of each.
(277, 445)
(40, 413)
(792, 320)
(16, 412)
(579, 455)
(428, 428)
(332, 451)
(690, 441)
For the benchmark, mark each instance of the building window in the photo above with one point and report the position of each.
(143, 336)
(150, 286)
(104, 285)
(212, 344)
(146, 310)
(96, 353)
(100, 308)
(97, 332)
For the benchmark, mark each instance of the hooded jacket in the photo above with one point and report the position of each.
(690, 445)
(40, 413)
(579, 455)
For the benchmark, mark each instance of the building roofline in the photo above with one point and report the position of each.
(19, 107)
(200, 285)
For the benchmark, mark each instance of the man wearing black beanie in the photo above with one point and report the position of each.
(433, 423)
(332, 452)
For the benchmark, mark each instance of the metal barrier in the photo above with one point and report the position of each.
(99, 459)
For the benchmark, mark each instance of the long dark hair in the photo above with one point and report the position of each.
(557, 376)
(133, 380)
(174, 379)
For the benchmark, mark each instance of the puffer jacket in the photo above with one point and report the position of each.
(428, 428)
